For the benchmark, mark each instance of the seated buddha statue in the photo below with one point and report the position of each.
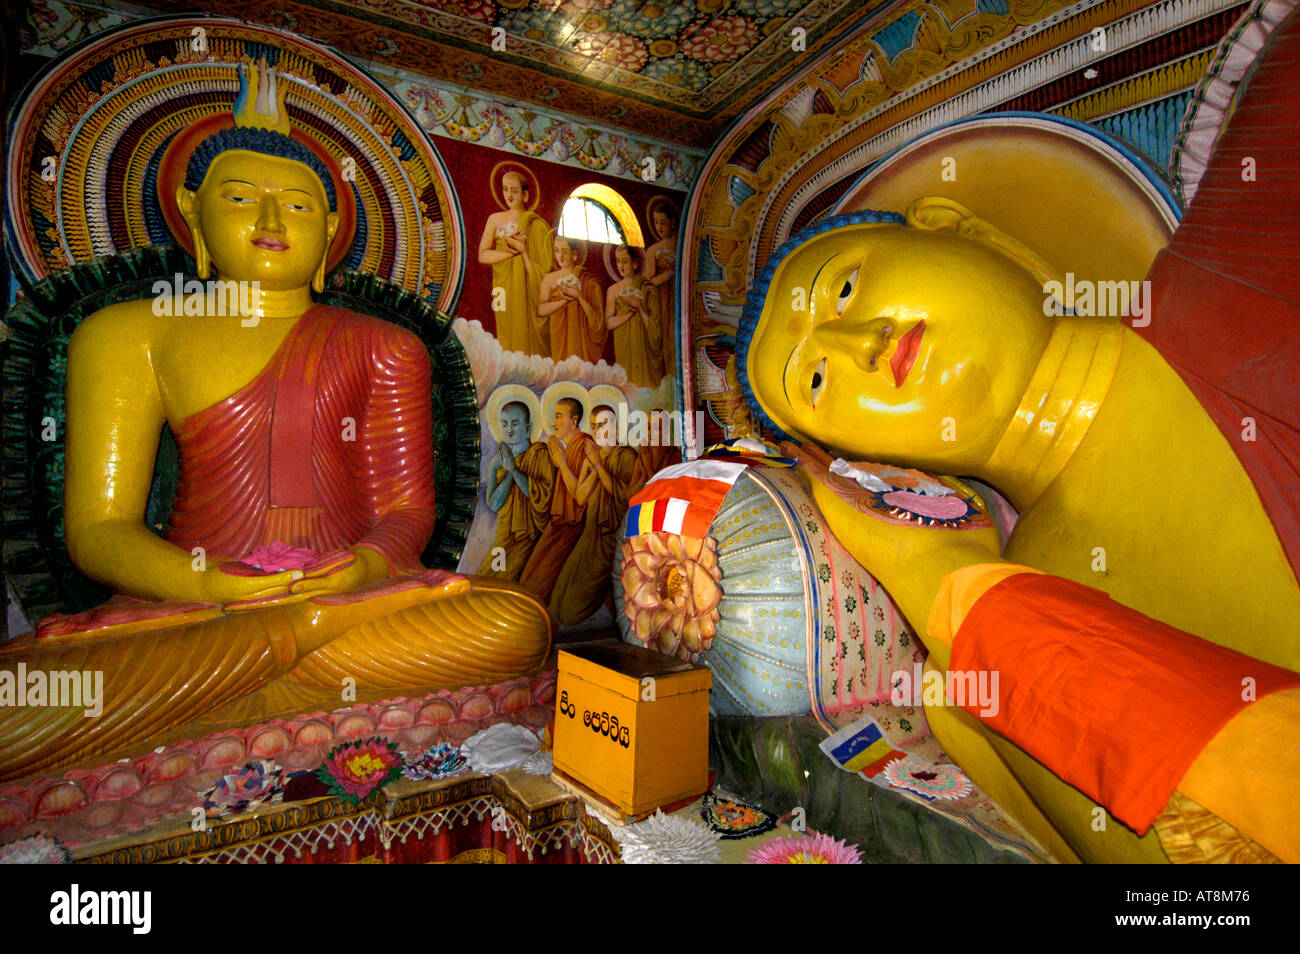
(1141, 541)
(291, 566)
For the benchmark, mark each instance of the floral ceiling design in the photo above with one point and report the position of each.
(678, 71)
(697, 48)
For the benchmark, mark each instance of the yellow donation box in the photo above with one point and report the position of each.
(633, 725)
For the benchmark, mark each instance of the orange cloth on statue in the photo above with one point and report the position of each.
(329, 447)
(1115, 703)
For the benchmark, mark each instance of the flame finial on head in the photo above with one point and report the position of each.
(260, 104)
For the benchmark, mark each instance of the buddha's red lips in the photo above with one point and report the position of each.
(905, 356)
(270, 244)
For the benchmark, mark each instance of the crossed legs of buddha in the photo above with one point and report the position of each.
(243, 666)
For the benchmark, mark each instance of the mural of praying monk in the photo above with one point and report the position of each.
(610, 475)
(571, 308)
(660, 270)
(632, 314)
(568, 447)
(520, 480)
(516, 242)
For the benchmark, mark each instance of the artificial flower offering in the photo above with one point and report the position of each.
(442, 760)
(354, 770)
(247, 787)
(35, 850)
(278, 557)
(672, 587)
(810, 849)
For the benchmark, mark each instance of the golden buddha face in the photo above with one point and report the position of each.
(261, 218)
(897, 344)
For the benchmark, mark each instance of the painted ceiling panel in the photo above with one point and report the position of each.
(679, 71)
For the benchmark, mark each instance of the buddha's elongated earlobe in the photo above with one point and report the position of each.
(188, 204)
(331, 226)
(938, 214)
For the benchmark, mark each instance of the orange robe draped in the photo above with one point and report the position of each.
(1226, 307)
(570, 331)
(1114, 702)
(557, 540)
(523, 516)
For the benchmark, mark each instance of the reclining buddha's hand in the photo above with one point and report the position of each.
(906, 533)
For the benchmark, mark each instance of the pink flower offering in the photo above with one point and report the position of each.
(278, 557)
(811, 849)
(354, 770)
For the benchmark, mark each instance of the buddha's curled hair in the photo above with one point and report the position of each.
(256, 140)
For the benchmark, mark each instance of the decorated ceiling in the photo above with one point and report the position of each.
(679, 71)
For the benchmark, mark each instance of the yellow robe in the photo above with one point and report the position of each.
(637, 348)
(664, 262)
(570, 331)
(523, 517)
(518, 326)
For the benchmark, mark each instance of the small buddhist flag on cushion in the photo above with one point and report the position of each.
(862, 748)
(683, 498)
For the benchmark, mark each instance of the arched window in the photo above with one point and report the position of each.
(596, 213)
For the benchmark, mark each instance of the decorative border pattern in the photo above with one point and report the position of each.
(442, 108)
(1216, 93)
(288, 832)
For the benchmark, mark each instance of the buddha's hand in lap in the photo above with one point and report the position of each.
(222, 586)
(337, 574)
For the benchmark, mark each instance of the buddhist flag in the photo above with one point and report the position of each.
(683, 498)
(861, 747)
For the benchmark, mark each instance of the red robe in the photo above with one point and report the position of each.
(1226, 290)
(330, 446)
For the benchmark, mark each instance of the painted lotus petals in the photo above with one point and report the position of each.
(674, 592)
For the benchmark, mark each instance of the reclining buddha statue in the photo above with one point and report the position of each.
(1144, 616)
(291, 565)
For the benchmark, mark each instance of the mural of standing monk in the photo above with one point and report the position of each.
(516, 242)
(660, 269)
(632, 314)
(571, 308)
(520, 481)
(568, 447)
(610, 475)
